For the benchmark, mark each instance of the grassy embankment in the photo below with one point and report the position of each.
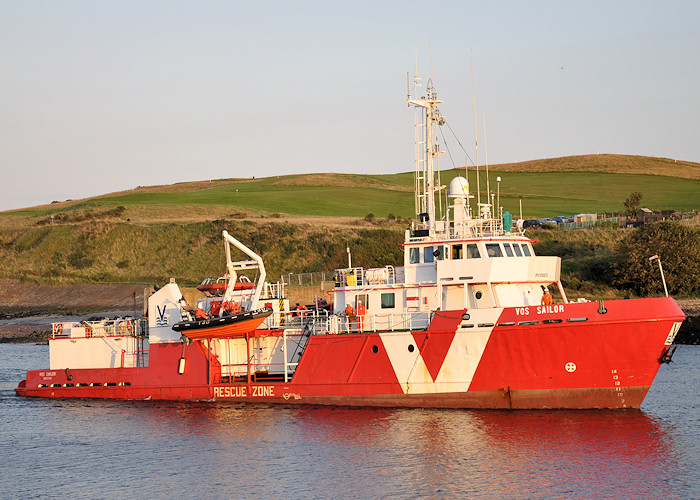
(120, 252)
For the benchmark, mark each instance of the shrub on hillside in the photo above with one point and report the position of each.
(678, 247)
(79, 259)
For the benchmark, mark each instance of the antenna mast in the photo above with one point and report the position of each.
(427, 117)
(486, 151)
(476, 142)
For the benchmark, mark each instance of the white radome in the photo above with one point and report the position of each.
(459, 187)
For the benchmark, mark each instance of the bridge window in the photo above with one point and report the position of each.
(516, 247)
(473, 251)
(388, 301)
(526, 250)
(414, 255)
(439, 253)
(428, 254)
(457, 252)
(494, 250)
(509, 250)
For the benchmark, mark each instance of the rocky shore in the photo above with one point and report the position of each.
(24, 333)
(690, 329)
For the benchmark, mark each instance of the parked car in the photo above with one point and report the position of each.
(532, 223)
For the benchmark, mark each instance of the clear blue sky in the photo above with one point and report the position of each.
(102, 96)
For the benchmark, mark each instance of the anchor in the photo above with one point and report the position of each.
(667, 355)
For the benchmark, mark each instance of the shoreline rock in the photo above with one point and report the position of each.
(22, 334)
(689, 333)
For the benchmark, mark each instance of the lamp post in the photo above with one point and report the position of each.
(498, 195)
(661, 270)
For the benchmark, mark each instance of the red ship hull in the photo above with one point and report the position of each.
(583, 355)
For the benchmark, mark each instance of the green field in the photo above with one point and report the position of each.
(544, 190)
(543, 194)
(559, 193)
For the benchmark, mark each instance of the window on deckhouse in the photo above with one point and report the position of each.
(428, 254)
(494, 250)
(388, 301)
(509, 250)
(473, 251)
(413, 255)
(457, 251)
(526, 250)
(516, 247)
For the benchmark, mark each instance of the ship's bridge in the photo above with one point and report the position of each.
(489, 260)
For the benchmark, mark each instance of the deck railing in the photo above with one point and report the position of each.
(303, 279)
(322, 322)
(101, 328)
(359, 276)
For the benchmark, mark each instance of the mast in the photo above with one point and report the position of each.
(427, 116)
(486, 162)
(427, 176)
(476, 141)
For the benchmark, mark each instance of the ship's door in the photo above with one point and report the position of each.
(238, 357)
(453, 297)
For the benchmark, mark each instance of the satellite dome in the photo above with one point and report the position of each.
(459, 187)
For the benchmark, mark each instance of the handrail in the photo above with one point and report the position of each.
(325, 323)
(102, 328)
(359, 276)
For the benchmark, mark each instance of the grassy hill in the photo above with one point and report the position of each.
(591, 183)
(121, 252)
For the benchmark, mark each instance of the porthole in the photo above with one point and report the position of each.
(411, 348)
(465, 316)
(375, 349)
(478, 295)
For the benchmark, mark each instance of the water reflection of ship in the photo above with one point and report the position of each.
(513, 453)
(447, 453)
(575, 452)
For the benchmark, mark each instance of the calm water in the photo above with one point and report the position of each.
(108, 449)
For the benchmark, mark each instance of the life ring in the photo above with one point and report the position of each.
(130, 326)
(58, 329)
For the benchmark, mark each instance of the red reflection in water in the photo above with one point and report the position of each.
(538, 453)
(426, 452)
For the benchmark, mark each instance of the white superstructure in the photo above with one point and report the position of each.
(456, 255)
